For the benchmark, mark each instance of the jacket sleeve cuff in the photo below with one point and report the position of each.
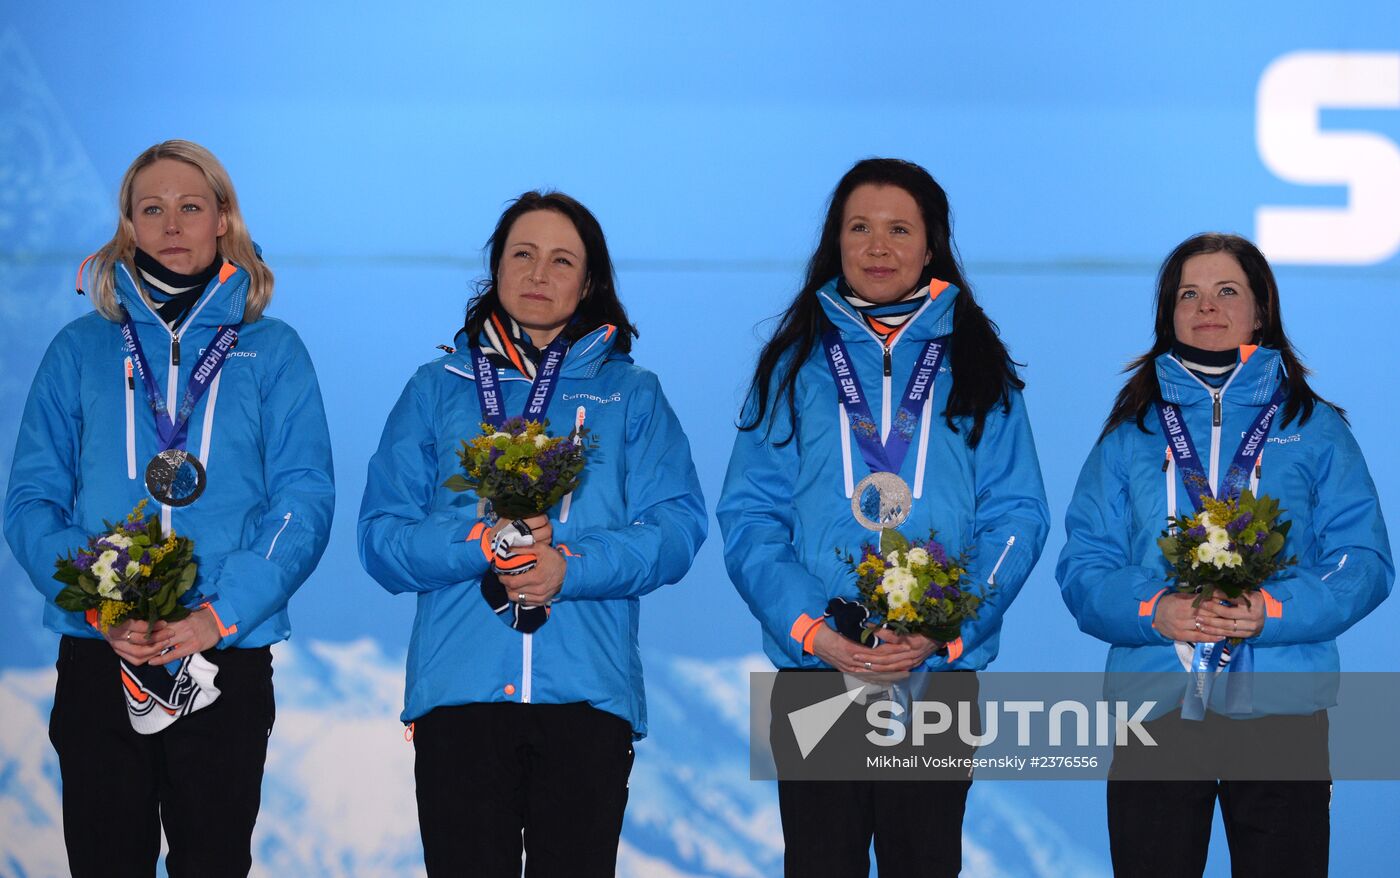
(804, 631)
(226, 617)
(1273, 629)
(451, 549)
(1146, 613)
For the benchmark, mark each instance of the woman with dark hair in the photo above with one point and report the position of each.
(1221, 366)
(523, 708)
(885, 283)
(242, 465)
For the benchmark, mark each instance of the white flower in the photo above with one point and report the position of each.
(892, 559)
(1206, 553)
(132, 568)
(897, 582)
(117, 541)
(106, 576)
(1229, 559)
(499, 435)
(540, 440)
(1218, 537)
(1204, 519)
(918, 557)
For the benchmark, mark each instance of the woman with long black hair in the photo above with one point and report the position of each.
(814, 470)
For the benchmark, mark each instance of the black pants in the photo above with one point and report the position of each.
(828, 825)
(201, 778)
(1273, 827)
(491, 776)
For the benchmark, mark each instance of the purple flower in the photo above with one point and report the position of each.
(934, 592)
(134, 527)
(1240, 523)
(951, 592)
(938, 553)
(84, 561)
(1197, 533)
(1259, 540)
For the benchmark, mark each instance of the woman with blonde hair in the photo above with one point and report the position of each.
(178, 392)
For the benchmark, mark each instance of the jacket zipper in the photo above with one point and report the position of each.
(992, 577)
(526, 667)
(845, 421)
(885, 389)
(1216, 419)
(286, 520)
(1340, 564)
(130, 421)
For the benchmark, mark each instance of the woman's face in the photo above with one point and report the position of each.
(884, 245)
(541, 273)
(176, 215)
(1215, 308)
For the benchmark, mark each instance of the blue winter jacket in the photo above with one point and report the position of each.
(785, 509)
(1112, 572)
(634, 524)
(260, 431)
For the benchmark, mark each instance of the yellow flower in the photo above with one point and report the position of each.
(110, 612)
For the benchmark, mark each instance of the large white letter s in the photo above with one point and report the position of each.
(1292, 91)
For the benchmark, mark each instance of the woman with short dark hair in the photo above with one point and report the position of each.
(1221, 370)
(525, 689)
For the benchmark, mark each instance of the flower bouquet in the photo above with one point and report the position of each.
(131, 571)
(913, 587)
(1231, 547)
(134, 571)
(520, 469)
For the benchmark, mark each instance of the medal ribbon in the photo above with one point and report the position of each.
(172, 429)
(488, 387)
(1208, 658)
(887, 456)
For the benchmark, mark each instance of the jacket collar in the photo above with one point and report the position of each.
(585, 357)
(1252, 383)
(934, 319)
(221, 304)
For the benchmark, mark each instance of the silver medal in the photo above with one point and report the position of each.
(175, 477)
(881, 500)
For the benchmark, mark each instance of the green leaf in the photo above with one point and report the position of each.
(892, 540)
(88, 583)
(457, 483)
(67, 573)
(73, 600)
(187, 577)
(1273, 544)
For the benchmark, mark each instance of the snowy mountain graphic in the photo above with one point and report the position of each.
(338, 795)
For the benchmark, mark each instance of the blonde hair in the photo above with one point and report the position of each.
(234, 245)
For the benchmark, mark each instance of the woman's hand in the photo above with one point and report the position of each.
(1176, 619)
(917, 648)
(541, 528)
(881, 664)
(1232, 619)
(538, 585)
(132, 641)
(195, 633)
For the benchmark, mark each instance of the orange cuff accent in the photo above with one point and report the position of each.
(1247, 351)
(228, 271)
(482, 532)
(565, 550)
(955, 649)
(223, 632)
(804, 631)
(91, 617)
(408, 732)
(935, 287)
(1273, 607)
(1148, 607)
